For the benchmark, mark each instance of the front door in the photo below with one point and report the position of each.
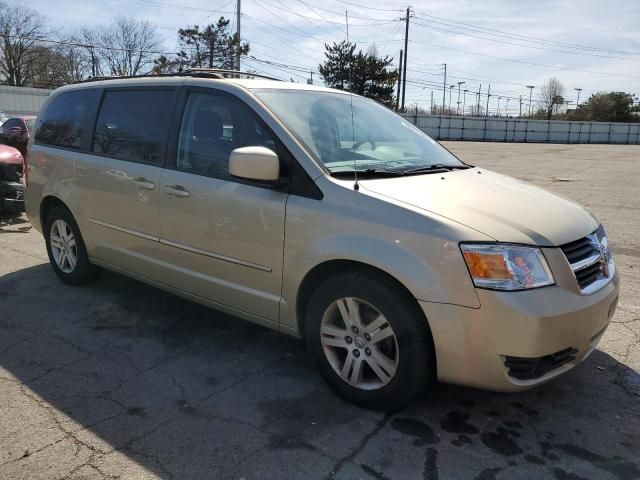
(223, 238)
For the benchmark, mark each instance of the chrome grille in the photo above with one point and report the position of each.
(591, 262)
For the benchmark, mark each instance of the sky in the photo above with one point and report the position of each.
(591, 44)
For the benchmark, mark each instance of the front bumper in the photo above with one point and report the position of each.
(472, 344)
(11, 196)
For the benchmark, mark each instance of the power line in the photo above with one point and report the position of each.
(312, 6)
(368, 7)
(336, 27)
(505, 42)
(302, 33)
(556, 67)
(175, 6)
(377, 21)
(496, 32)
(277, 37)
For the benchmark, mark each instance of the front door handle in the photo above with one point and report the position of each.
(144, 183)
(177, 191)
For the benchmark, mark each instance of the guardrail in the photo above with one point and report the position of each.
(496, 129)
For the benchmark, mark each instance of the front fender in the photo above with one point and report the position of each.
(430, 269)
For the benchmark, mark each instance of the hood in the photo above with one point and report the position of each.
(501, 207)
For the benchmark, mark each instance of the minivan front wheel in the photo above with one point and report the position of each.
(369, 340)
(359, 343)
(66, 249)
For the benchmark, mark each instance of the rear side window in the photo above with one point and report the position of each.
(133, 125)
(63, 122)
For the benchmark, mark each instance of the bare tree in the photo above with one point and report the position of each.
(23, 33)
(127, 45)
(551, 94)
(73, 60)
(90, 39)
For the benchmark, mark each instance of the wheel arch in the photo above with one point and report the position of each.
(326, 269)
(47, 204)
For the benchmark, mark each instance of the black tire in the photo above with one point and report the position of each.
(84, 271)
(416, 368)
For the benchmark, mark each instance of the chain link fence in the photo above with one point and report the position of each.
(492, 129)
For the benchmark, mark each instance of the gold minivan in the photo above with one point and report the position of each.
(326, 216)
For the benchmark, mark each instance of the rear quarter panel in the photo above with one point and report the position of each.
(51, 173)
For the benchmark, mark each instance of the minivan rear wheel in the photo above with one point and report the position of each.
(369, 340)
(66, 248)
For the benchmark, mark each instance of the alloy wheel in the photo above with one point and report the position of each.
(63, 246)
(359, 343)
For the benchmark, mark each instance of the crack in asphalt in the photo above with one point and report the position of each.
(363, 443)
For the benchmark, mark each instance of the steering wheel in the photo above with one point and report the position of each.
(362, 142)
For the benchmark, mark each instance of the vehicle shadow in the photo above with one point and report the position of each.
(14, 223)
(121, 377)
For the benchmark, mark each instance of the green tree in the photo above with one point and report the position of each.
(366, 74)
(209, 47)
(609, 107)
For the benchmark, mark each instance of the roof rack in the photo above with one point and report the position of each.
(227, 73)
(217, 73)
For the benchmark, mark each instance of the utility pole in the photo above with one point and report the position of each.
(238, 46)
(520, 114)
(451, 87)
(578, 100)
(530, 87)
(486, 112)
(464, 100)
(444, 88)
(211, 47)
(93, 62)
(399, 82)
(458, 104)
(478, 109)
(406, 46)
(431, 102)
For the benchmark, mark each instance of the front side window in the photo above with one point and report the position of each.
(133, 125)
(212, 127)
(347, 133)
(63, 122)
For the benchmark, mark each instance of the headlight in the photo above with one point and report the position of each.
(506, 267)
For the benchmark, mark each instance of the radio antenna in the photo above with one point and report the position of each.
(353, 128)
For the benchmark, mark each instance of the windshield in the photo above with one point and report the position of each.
(375, 139)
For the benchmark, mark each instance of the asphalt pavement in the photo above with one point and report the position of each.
(121, 380)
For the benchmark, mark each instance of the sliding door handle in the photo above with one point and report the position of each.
(177, 191)
(144, 183)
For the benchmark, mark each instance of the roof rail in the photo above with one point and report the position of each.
(227, 73)
(218, 73)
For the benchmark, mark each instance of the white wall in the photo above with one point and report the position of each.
(492, 129)
(21, 100)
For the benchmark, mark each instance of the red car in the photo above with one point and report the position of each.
(11, 180)
(15, 132)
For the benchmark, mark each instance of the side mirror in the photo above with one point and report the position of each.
(254, 163)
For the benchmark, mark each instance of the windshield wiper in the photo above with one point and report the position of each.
(435, 168)
(369, 173)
